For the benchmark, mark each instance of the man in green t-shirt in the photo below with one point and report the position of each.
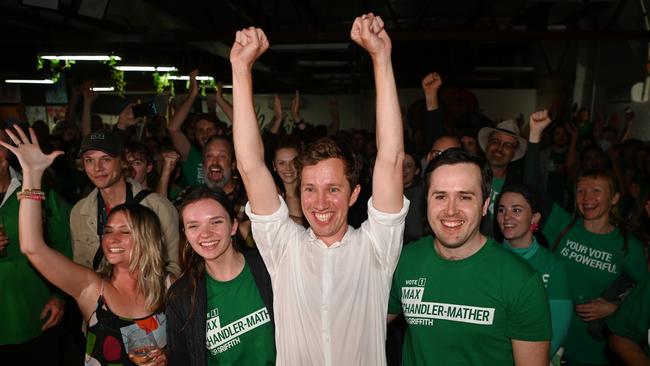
(466, 299)
(190, 146)
(630, 326)
(502, 145)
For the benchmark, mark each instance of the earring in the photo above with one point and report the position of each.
(534, 227)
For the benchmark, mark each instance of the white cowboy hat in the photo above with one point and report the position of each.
(508, 127)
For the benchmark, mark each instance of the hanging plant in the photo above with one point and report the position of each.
(56, 67)
(207, 83)
(117, 76)
(203, 85)
(161, 81)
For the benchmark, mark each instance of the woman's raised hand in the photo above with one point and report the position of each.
(27, 150)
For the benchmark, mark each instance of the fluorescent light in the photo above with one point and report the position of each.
(103, 89)
(136, 68)
(226, 86)
(82, 57)
(146, 68)
(311, 46)
(187, 77)
(166, 69)
(29, 81)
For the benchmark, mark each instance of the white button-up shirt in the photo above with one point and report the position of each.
(330, 303)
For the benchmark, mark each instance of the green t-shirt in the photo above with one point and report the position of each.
(632, 319)
(497, 185)
(467, 311)
(23, 291)
(192, 168)
(593, 262)
(239, 329)
(556, 282)
(549, 266)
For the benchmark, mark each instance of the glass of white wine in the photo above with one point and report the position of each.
(142, 347)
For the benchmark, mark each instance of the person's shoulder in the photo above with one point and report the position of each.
(552, 259)
(418, 247)
(153, 200)
(180, 289)
(86, 203)
(251, 254)
(633, 241)
(506, 260)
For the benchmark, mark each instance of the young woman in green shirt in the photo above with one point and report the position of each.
(518, 214)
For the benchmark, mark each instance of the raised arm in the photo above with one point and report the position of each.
(89, 98)
(538, 121)
(169, 160)
(433, 127)
(72, 278)
(625, 133)
(277, 115)
(430, 85)
(180, 141)
(250, 44)
(570, 164)
(387, 188)
(225, 106)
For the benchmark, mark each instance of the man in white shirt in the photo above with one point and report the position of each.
(330, 282)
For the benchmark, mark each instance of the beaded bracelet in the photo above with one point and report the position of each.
(31, 194)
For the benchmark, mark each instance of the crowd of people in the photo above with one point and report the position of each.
(443, 240)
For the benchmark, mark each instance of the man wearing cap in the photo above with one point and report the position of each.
(502, 145)
(102, 155)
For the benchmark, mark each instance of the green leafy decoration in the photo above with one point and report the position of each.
(161, 81)
(56, 67)
(117, 76)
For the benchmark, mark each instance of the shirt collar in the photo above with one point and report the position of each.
(14, 184)
(346, 237)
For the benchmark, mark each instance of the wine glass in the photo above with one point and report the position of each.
(142, 346)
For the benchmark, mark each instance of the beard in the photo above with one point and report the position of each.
(217, 183)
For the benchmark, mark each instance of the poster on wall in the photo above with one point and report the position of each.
(56, 94)
(35, 113)
(55, 113)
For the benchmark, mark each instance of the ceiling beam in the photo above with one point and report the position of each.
(21, 38)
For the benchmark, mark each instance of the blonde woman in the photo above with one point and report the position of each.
(125, 298)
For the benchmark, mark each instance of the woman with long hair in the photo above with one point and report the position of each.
(121, 304)
(600, 258)
(518, 214)
(284, 165)
(221, 310)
